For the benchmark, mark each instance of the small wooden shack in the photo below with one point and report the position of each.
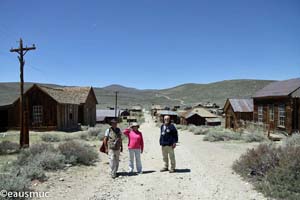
(173, 116)
(155, 109)
(237, 110)
(136, 109)
(199, 116)
(124, 113)
(278, 106)
(52, 108)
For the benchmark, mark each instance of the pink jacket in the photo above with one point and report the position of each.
(135, 139)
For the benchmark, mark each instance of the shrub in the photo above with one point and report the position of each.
(77, 153)
(221, 134)
(32, 170)
(50, 138)
(69, 138)
(50, 160)
(254, 137)
(184, 127)
(43, 155)
(293, 140)
(14, 183)
(41, 147)
(27, 154)
(201, 131)
(84, 128)
(179, 127)
(7, 147)
(255, 163)
(283, 181)
(84, 136)
(192, 128)
(94, 132)
(274, 170)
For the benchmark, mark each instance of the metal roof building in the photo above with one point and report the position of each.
(280, 88)
(240, 105)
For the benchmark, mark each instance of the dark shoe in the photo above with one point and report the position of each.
(172, 171)
(164, 169)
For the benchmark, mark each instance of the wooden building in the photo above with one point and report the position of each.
(173, 116)
(278, 106)
(52, 108)
(236, 111)
(124, 113)
(155, 109)
(199, 116)
(131, 119)
(136, 109)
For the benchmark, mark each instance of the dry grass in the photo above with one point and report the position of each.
(274, 170)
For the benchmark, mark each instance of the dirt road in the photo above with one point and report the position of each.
(204, 172)
(171, 99)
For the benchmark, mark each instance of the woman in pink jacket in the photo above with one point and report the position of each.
(135, 146)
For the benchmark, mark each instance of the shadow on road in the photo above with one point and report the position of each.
(134, 173)
(183, 171)
(148, 172)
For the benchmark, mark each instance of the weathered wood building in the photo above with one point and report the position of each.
(155, 109)
(136, 109)
(52, 108)
(173, 116)
(199, 116)
(236, 111)
(278, 106)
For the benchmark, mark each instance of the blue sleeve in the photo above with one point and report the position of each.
(175, 134)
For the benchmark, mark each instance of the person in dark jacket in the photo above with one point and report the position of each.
(168, 140)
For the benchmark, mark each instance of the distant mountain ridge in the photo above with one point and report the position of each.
(188, 94)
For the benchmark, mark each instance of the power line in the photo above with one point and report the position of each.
(116, 105)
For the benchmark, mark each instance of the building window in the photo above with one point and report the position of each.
(37, 114)
(281, 115)
(271, 112)
(260, 114)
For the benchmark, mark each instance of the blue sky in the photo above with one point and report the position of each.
(150, 43)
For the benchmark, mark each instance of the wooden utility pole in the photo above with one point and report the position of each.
(24, 131)
(116, 105)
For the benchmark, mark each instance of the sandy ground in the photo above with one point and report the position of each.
(204, 172)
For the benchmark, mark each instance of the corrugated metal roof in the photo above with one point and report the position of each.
(279, 88)
(106, 113)
(167, 112)
(296, 93)
(241, 105)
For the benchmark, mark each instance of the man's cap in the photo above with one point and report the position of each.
(113, 121)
